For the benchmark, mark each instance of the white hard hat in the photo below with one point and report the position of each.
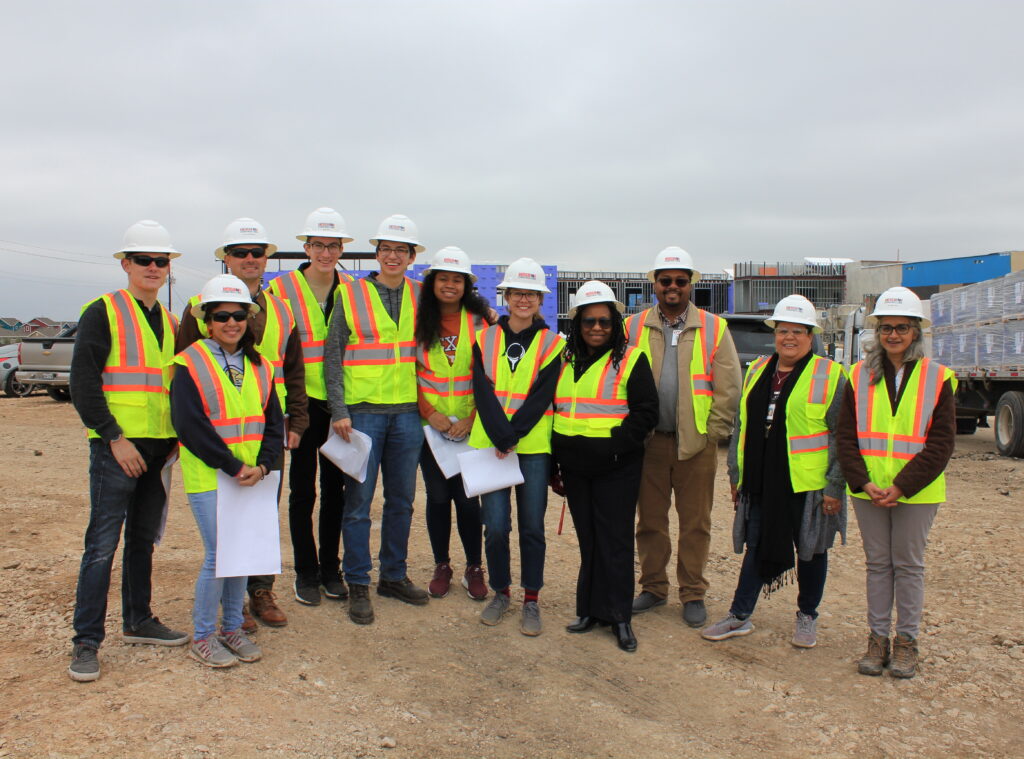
(524, 274)
(224, 288)
(673, 257)
(147, 236)
(594, 292)
(242, 232)
(398, 228)
(796, 309)
(898, 301)
(324, 222)
(451, 259)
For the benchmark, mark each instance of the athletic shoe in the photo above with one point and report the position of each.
(210, 652)
(529, 623)
(646, 601)
(85, 666)
(806, 633)
(334, 586)
(237, 643)
(307, 590)
(155, 632)
(473, 582)
(730, 627)
(495, 610)
(441, 581)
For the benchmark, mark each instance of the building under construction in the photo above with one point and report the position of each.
(757, 287)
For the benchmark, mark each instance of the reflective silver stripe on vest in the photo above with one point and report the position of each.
(613, 409)
(907, 447)
(819, 381)
(131, 341)
(230, 430)
(153, 378)
(862, 388)
(293, 293)
(929, 396)
(703, 385)
(809, 443)
(633, 335)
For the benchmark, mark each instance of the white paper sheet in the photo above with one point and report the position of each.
(446, 452)
(165, 477)
(483, 472)
(351, 458)
(248, 533)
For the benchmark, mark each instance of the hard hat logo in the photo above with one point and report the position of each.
(233, 290)
(396, 228)
(672, 259)
(325, 225)
(450, 260)
(248, 230)
(527, 275)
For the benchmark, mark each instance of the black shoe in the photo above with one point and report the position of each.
(85, 667)
(694, 613)
(582, 624)
(646, 601)
(360, 610)
(624, 636)
(334, 586)
(155, 632)
(307, 590)
(403, 590)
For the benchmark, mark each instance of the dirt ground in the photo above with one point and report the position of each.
(433, 682)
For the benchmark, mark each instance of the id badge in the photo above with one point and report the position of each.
(675, 336)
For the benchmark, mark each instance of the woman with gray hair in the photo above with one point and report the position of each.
(897, 430)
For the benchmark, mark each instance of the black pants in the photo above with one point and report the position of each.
(302, 481)
(603, 508)
(440, 494)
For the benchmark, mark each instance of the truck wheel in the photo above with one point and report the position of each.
(966, 425)
(61, 394)
(1010, 424)
(17, 389)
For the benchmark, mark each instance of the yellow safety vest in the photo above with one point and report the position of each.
(598, 402)
(312, 326)
(237, 414)
(380, 358)
(273, 343)
(449, 387)
(511, 388)
(137, 376)
(705, 345)
(806, 429)
(888, 441)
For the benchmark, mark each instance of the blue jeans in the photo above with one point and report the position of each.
(531, 504)
(213, 591)
(116, 500)
(397, 440)
(810, 575)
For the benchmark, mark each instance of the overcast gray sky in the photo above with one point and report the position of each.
(585, 134)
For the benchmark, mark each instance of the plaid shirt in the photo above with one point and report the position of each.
(675, 323)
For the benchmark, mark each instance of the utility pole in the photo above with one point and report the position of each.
(170, 302)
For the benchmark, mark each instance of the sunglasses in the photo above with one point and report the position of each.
(591, 321)
(667, 281)
(144, 261)
(222, 317)
(245, 252)
(899, 329)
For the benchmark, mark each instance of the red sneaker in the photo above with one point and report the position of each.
(442, 580)
(473, 582)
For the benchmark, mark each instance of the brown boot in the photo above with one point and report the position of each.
(249, 625)
(904, 656)
(874, 661)
(265, 607)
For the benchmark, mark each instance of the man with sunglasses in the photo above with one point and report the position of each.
(244, 254)
(698, 376)
(120, 376)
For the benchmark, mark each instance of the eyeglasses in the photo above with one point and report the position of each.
(786, 332)
(522, 295)
(144, 261)
(246, 252)
(222, 317)
(667, 281)
(591, 321)
(899, 329)
(398, 251)
(319, 247)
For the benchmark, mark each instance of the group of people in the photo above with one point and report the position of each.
(619, 415)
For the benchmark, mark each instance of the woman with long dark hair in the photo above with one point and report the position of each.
(606, 403)
(449, 315)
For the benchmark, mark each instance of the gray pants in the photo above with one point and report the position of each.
(894, 543)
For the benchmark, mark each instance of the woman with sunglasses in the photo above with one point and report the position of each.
(787, 487)
(897, 432)
(449, 315)
(515, 369)
(228, 418)
(606, 404)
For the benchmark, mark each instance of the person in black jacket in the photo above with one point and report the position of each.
(606, 404)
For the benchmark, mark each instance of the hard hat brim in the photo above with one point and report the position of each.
(306, 235)
(419, 248)
(471, 275)
(872, 319)
(618, 307)
(171, 252)
(221, 252)
(521, 286)
(652, 275)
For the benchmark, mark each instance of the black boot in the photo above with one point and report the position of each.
(625, 637)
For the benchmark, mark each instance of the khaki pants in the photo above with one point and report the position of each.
(693, 482)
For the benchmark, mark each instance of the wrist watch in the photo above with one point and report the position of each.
(119, 438)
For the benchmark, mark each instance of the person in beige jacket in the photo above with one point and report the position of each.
(698, 376)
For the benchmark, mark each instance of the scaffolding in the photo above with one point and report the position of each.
(759, 286)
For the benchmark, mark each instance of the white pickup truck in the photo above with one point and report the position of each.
(46, 362)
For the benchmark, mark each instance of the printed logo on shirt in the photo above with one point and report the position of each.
(514, 352)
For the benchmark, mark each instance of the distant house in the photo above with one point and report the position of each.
(41, 322)
(9, 322)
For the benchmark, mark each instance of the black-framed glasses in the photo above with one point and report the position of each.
(669, 281)
(899, 329)
(591, 321)
(318, 247)
(246, 252)
(222, 317)
(161, 263)
(522, 295)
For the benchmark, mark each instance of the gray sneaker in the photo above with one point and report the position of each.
(730, 627)
(530, 622)
(85, 667)
(493, 612)
(210, 652)
(155, 632)
(237, 643)
(806, 633)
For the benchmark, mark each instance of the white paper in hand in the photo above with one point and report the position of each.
(483, 472)
(351, 458)
(248, 531)
(446, 452)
